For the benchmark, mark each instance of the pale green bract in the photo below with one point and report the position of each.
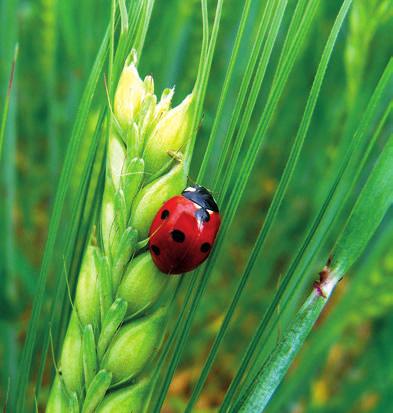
(122, 300)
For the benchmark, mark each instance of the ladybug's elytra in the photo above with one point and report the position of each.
(184, 230)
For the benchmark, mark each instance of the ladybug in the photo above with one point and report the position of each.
(184, 230)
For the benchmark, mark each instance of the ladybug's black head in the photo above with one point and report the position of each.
(201, 196)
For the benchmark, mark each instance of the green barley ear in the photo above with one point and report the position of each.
(141, 293)
(152, 196)
(87, 294)
(122, 300)
(171, 134)
(129, 399)
(129, 94)
(58, 400)
(96, 391)
(71, 356)
(134, 346)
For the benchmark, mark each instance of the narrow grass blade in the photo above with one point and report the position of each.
(360, 227)
(7, 100)
(241, 98)
(69, 162)
(333, 204)
(270, 376)
(271, 38)
(240, 183)
(375, 199)
(227, 81)
(208, 48)
(275, 205)
(340, 318)
(242, 178)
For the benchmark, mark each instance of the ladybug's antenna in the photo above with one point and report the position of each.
(214, 193)
(191, 180)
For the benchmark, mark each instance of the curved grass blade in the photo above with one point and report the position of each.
(70, 160)
(75, 233)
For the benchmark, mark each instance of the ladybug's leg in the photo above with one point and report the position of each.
(142, 244)
(174, 157)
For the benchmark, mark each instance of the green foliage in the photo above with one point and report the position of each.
(290, 127)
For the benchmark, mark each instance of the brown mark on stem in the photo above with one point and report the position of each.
(323, 278)
(176, 156)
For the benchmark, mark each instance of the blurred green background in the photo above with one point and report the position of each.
(347, 363)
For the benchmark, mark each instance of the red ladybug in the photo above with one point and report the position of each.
(183, 231)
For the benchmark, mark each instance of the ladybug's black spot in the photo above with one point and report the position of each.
(155, 249)
(205, 247)
(178, 236)
(164, 214)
